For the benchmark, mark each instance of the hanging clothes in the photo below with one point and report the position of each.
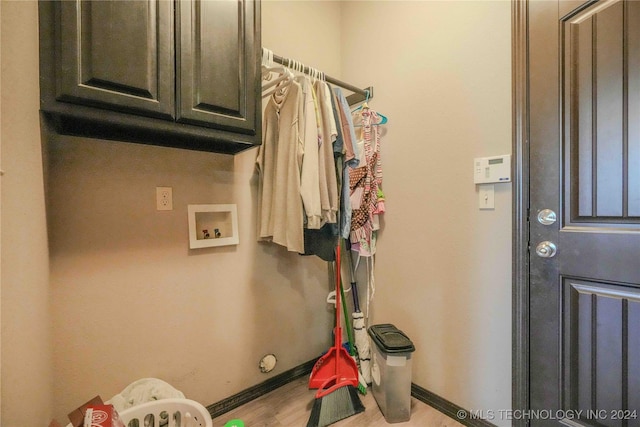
(338, 156)
(322, 242)
(350, 159)
(279, 163)
(326, 163)
(309, 178)
(348, 132)
(365, 186)
(314, 172)
(297, 188)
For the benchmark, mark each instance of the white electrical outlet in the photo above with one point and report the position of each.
(164, 199)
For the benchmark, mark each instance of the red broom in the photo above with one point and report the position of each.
(335, 374)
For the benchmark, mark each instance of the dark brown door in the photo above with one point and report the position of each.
(585, 167)
(117, 54)
(218, 63)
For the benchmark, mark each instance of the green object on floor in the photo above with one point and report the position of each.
(234, 423)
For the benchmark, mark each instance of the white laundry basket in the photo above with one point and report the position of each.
(167, 412)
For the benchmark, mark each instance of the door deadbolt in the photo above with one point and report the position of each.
(546, 249)
(546, 217)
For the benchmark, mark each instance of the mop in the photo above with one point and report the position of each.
(335, 374)
(362, 384)
(360, 329)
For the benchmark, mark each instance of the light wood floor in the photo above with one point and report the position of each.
(290, 406)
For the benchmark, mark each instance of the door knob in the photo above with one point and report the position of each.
(546, 249)
(546, 217)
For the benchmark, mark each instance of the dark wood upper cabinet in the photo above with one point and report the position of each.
(214, 64)
(118, 54)
(181, 73)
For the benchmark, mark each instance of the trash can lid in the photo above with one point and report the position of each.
(390, 339)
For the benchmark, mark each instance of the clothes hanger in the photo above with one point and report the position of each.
(267, 63)
(278, 84)
(299, 68)
(269, 73)
(269, 68)
(285, 74)
(365, 106)
(267, 57)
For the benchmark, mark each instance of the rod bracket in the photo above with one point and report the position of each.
(356, 98)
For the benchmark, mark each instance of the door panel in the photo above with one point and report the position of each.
(218, 63)
(602, 346)
(601, 98)
(133, 71)
(584, 147)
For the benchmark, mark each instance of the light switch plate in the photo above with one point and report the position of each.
(486, 196)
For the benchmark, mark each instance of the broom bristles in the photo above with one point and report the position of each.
(338, 405)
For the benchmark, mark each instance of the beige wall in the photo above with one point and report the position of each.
(26, 338)
(131, 300)
(308, 31)
(441, 73)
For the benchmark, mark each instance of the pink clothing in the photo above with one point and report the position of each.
(365, 183)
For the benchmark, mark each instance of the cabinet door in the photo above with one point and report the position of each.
(219, 48)
(117, 54)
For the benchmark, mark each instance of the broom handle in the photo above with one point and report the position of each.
(354, 284)
(356, 298)
(338, 333)
(347, 324)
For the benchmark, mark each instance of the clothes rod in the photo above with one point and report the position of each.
(358, 95)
